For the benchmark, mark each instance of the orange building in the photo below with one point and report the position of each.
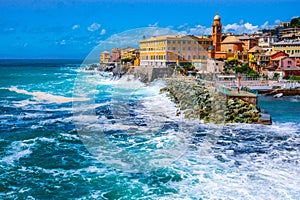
(231, 45)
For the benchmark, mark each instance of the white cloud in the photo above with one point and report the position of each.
(9, 29)
(76, 26)
(63, 42)
(250, 26)
(240, 28)
(103, 31)
(94, 27)
(265, 25)
(277, 21)
(153, 25)
(183, 26)
(203, 30)
(199, 30)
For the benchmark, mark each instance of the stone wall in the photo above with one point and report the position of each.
(148, 73)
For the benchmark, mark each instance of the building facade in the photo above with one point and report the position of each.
(115, 54)
(287, 46)
(104, 57)
(171, 49)
(249, 42)
(267, 41)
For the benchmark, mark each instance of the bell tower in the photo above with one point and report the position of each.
(217, 32)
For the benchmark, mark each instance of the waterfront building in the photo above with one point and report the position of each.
(249, 42)
(297, 58)
(231, 46)
(275, 55)
(287, 66)
(172, 49)
(287, 46)
(208, 66)
(115, 54)
(104, 57)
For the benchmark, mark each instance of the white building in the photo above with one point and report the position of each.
(267, 41)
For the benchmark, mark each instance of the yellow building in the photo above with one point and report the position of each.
(170, 49)
(104, 57)
(287, 46)
(254, 57)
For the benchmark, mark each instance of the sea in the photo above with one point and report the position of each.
(68, 133)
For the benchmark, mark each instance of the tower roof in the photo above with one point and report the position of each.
(217, 16)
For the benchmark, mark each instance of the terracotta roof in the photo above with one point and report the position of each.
(232, 40)
(269, 53)
(256, 49)
(279, 58)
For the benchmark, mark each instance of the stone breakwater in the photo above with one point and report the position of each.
(197, 101)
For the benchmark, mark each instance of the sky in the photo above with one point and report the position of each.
(73, 28)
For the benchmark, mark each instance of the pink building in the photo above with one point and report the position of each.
(115, 54)
(288, 66)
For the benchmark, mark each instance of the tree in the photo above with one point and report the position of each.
(245, 69)
(275, 76)
(295, 22)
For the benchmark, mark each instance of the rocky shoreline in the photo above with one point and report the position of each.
(197, 101)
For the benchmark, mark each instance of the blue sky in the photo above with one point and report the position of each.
(72, 28)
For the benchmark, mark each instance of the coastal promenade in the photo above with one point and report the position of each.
(232, 92)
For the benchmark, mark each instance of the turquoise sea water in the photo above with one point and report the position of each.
(120, 139)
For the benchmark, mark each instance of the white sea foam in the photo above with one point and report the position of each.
(17, 150)
(43, 96)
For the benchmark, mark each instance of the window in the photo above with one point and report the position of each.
(173, 48)
(189, 48)
(174, 41)
(183, 42)
(189, 42)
